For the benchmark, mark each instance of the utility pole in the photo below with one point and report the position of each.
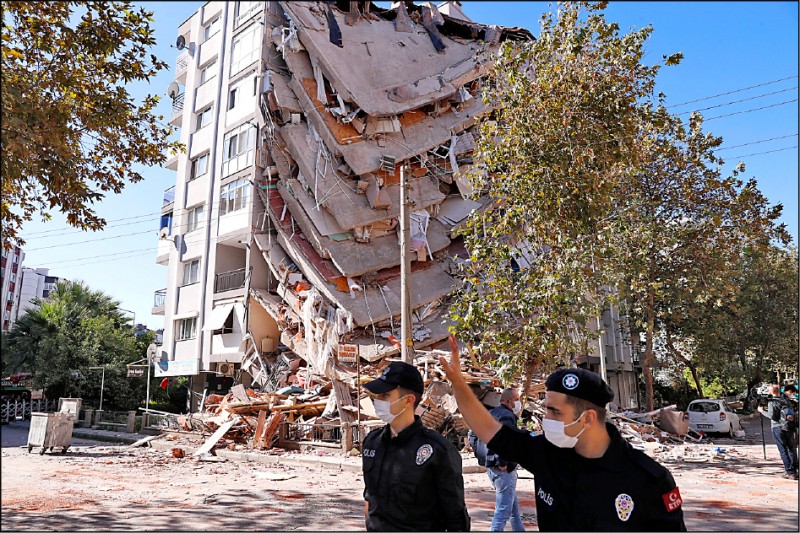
(407, 348)
(102, 382)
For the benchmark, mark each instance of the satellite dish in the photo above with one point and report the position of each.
(173, 90)
(151, 352)
(180, 44)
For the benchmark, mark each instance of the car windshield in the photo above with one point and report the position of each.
(704, 407)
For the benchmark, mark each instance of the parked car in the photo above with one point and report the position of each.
(712, 416)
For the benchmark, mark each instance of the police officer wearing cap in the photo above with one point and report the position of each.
(587, 478)
(412, 475)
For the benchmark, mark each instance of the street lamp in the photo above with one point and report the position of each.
(102, 382)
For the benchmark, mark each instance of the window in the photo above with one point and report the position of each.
(234, 196)
(186, 329)
(199, 166)
(13, 277)
(245, 9)
(208, 72)
(204, 118)
(190, 271)
(15, 258)
(245, 49)
(237, 151)
(232, 98)
(195, 218)
(9, 296)
(211, 28)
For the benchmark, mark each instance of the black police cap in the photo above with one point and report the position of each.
(397, 374)
(580, 383)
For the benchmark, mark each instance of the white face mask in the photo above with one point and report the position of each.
(383, 409)
(554, 432)
(517, 407)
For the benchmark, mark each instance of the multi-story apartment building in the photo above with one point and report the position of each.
(280, 235)
(36, 283)
(10, 281)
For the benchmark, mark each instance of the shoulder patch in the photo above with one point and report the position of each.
(672, 499)
(424, 453)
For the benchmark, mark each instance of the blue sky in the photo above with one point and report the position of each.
(727, 46)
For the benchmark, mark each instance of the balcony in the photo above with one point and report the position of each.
(182, 67)
(177, 110)
(231, 280)
(159, 302)
(172, 162)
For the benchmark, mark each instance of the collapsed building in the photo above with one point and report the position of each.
(281, 232)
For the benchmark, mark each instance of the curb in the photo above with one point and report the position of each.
(104, 438)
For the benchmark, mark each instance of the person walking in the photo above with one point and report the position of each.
(503, 474)
(781, 433)
(586, 476)
(412, 474)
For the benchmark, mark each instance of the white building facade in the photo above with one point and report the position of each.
(11, 283)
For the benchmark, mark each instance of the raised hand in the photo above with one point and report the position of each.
(452, 368)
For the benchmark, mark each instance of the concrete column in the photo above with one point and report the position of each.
(98, 417)
(87, 417)
(131, 422)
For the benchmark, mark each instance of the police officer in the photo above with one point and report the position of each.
(587, 478)
(412, 475)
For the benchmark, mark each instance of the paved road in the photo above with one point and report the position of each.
(101, 487)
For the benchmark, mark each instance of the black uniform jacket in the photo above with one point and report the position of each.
(413, 482)
(625, 490)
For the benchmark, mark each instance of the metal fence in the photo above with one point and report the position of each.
(22, 409)
(330, 433)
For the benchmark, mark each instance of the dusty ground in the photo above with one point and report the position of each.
(115, 487)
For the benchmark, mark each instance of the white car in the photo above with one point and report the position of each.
(712, 416)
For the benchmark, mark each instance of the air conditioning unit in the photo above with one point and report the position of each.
(225, 369)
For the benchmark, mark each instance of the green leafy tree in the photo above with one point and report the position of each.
(757, 328)
(74, 329)
(554, 159)
(71, 132)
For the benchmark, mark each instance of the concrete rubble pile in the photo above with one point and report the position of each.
(351, 93)
(309, 408)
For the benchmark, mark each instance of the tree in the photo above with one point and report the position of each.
(757, 328)
(71, 132)
(554, 160)
(679, 244)
(72, 330)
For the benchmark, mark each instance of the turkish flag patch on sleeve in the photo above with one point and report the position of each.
(672, 499)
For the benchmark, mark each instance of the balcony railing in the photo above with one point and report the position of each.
(181, 64)
(177, 104)
(160, 298)
(228, 281)
(169, 196)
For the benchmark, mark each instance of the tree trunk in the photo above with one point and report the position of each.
(648, 353)
(680, 357)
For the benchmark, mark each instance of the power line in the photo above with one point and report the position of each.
(756, 142)
(732, 92)
(114, 220)
(761, 153)
(737, 101)
(749, 110)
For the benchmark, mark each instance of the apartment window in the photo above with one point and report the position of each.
(234, 196)
(199, 166)
(186, 329)
(190, 271)
(208, 72)
(204, 118)
(13, 277)
(245, 9)
(15, 258)
(9, 296)
(237, 151)
(245, 49)
(195, 218)
(211, 28)
(232, 97)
